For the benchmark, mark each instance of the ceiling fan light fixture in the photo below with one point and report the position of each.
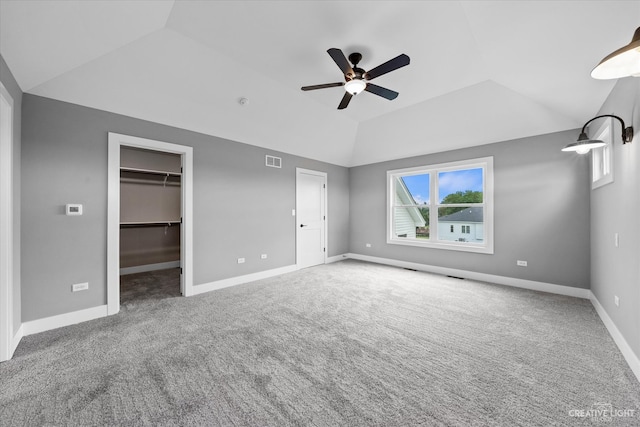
(355, 86)
(624, 62)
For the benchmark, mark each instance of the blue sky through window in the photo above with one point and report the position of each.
(418, 186)
(460, 180)
(448, 182)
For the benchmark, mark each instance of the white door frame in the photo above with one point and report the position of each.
(7, 346)
(326, 209)
(113, 216)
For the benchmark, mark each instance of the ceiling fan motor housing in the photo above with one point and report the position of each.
(359, 74)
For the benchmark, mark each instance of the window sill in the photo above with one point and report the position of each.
(450, 246)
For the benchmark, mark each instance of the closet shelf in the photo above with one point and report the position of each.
(150, 171)
(130, 224)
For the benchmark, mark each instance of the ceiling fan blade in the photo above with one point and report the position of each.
(381, 91)
(324, 86)
(345, 101)
(341, 61)
(392, 64)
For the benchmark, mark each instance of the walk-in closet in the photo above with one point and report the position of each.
(150, 224)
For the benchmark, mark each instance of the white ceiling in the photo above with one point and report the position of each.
(480, 72)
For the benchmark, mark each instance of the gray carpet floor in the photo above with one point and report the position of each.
(345, 344)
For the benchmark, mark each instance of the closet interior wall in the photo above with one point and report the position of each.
(150, 209)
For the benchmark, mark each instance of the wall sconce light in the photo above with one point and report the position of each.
(624, 62)
(584, 144)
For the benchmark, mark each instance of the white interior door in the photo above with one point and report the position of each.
(311, 197)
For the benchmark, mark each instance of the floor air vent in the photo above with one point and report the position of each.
(273, 162)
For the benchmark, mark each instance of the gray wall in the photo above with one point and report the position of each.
(14, 90)
(614, 209)
(241, 207)
(541, 212)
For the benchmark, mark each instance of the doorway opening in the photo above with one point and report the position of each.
(149, 220)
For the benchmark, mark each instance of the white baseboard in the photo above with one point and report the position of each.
(336, 258)
(239, 280)
(16, 340)
(149, 267)
(631, 358)
(483, 277)
(66, 319)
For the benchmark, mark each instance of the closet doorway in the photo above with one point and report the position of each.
(149, 212)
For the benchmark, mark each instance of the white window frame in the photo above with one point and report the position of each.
(485, 247)
(602, 157)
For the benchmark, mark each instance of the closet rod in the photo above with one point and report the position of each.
(150, 182)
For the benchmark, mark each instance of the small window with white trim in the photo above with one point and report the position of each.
(602, 157)
(445, 206)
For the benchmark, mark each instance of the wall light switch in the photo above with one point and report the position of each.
(263, 256)
(616, 239)
(73, 209)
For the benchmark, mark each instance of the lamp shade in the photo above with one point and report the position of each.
(624, 62)
(355, 86)
(584, 144)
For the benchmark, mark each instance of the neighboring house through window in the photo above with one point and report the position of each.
(446, 206)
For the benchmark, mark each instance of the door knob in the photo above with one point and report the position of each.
(303, 225)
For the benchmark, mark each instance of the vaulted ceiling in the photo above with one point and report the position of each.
(480, 72)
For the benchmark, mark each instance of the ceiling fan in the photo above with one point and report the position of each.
(357, 79)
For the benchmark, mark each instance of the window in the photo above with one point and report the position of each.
(445, 206)
(602, 157)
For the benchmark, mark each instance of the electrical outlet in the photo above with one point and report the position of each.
(368, 245)
(240, 260)
(80, 287)
(616, 300)
(263, 256)
(521, 263)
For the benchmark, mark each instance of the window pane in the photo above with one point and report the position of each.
(461, 224)
(416, 187)
(411, 222)
(460, 186)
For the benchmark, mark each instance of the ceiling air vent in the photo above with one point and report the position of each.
(273, 162)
